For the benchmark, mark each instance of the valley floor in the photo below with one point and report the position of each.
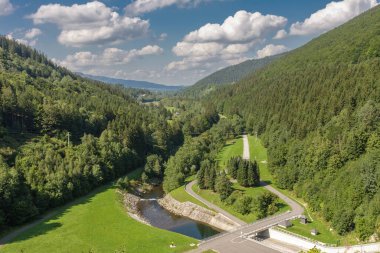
(96, 223)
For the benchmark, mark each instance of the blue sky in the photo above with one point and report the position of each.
(168, 41)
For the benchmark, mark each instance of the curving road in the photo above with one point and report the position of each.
(238, 239)
(189, 190)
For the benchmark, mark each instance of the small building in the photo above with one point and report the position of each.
(285, 224)
(314, 232)
(303, 219)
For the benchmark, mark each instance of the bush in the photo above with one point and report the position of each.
(123, 183)
(243, 205)
(265, 204)
(233, 197)
(223, 186)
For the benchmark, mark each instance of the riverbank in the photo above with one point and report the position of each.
(131, 204)
(197, 213)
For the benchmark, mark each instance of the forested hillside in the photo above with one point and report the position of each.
(62, 135)
(228, 75)
(318, 111)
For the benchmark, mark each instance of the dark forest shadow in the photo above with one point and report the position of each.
(47, 222)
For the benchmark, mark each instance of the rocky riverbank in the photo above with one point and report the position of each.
(131, 204)
(197, 213)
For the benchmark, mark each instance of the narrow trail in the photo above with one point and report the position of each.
(9, 237)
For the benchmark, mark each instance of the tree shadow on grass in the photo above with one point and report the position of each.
(48, 222)
(280, 205)
(266, 182)
(39, 230)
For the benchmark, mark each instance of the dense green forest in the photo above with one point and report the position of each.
(228, 75)
(245, 172)
(199, 150)
(318, 111)
(62, 135)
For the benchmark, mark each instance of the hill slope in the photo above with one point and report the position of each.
(227, 75)
(134, 84)
(318, 111)
(62, 135)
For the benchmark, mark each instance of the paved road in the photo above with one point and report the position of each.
(190, 191)
(235, 241)
(246, 154)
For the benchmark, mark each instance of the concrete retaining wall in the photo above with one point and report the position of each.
(306, 244)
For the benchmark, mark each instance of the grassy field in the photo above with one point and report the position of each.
(235, 148)
(325, 235)
(259, 153)
(214, 198)
(231, 149)
(96, 223)
(182, 196)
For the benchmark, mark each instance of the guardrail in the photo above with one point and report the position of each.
(211, 238)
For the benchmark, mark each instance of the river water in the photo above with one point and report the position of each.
(160, 217)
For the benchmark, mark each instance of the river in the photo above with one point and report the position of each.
(160, 217)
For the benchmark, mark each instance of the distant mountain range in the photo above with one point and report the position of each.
(133, 83)
(228, 75)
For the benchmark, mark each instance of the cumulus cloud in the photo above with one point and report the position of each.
(139, 7)
(6, 7)
(29, 37)
(280, 34)
(242, 27)
(270, 50)
(227, 42)
(90, 23)
(333, 15)
(109, 56)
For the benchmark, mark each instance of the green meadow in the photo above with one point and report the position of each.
(96, 223)
(231, 149)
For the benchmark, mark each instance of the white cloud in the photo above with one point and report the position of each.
(242, 27)
(6, 7)
(29, 37)
(162, 36)
(90, 23)
(33, 33)
(110, 56)
(333, 15)
(139, 7)
(228, 42)
(280, 34)
(270, 50)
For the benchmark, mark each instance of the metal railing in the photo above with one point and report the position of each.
(241, 228)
